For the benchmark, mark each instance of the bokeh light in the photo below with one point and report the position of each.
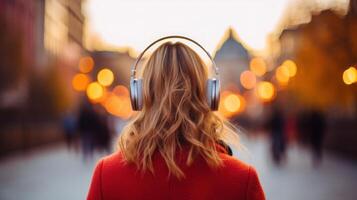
(231, 104)
(86, 64)
(350, 76)
(119, 106)
(80, 82)
(95, 91)
(248, 79)
(105, 77)
(118, 102)
(291, 67)
(265, 91)
(121, 90)
(282, 74)
(258, 66)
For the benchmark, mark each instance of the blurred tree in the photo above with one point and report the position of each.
(324, 48)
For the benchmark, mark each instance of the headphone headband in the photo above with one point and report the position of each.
(133, 69)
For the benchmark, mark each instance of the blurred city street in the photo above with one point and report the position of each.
(57, 173)
(287, 74)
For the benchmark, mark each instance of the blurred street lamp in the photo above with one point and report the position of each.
(258, 66)
(121, 90)
(105, 77)
(118, 106)
(80, 82)
(282, 74)
(350, 76)
(291, 67)
(118, 102)
(86, 64)
(231, 104)
(285, 71)
(248, 79)
(265, 91)
(95, 91)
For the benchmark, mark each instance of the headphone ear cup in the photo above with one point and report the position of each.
(136, 96)
(213, 93)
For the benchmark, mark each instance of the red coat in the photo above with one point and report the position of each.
(114, 180)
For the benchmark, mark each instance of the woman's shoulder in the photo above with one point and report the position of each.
(234, 163)
(237, 169)
(234, 176)
(114, 160)
(115, 167)
(115, 157)
(242, 175)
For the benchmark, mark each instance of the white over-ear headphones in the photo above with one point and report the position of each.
(136, 84)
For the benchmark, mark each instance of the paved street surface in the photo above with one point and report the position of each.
(57, 173)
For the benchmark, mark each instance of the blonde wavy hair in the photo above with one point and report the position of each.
(175, 113)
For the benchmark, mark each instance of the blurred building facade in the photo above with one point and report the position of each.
(63, 25)
(18, 39)
(232, 58)
(41, 40)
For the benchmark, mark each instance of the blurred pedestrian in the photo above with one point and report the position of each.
(69, 124)
(103, 130)
(317, 133)
(87, 126)
(278, 137)
(312, 127)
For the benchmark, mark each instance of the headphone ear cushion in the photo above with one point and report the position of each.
(213, 93)
(136, 96)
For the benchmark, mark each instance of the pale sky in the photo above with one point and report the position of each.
(136, 23)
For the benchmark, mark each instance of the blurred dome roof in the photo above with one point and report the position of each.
(231, 48)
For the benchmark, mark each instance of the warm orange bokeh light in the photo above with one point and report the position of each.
(95, 91)
(231, 104)
(105, 77)
(80, 82)
(282, 74)
(86, 64)
(265, 91)
(291, 67)
(121, 90)
(350, 76)
(118, 103)
(258, 66)
(118, 106)
(248, 79)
